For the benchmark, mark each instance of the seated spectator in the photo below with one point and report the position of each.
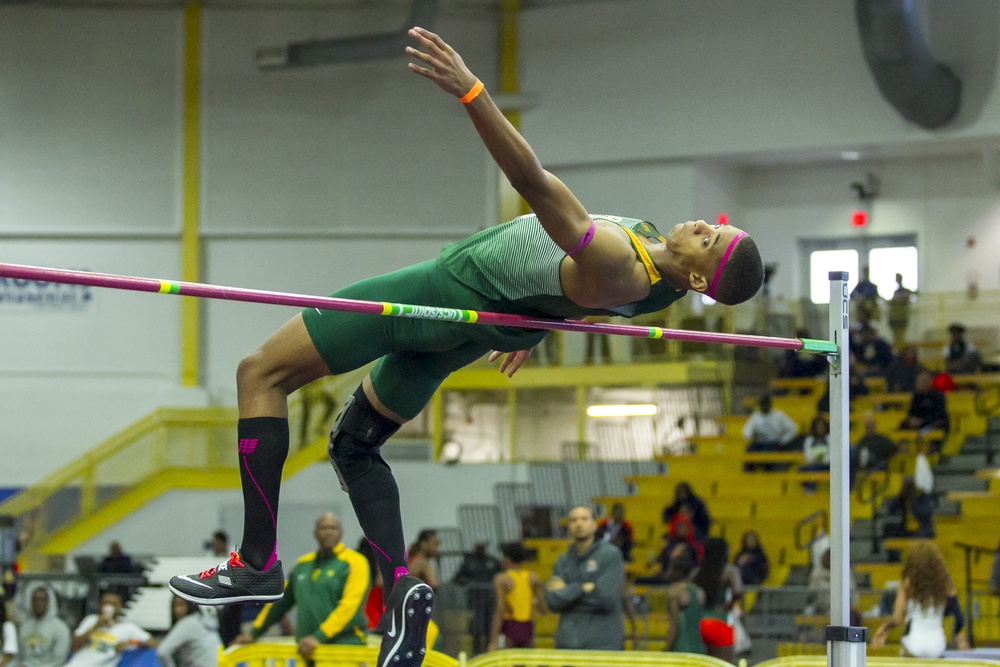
(816, 445)
(928, 410)
(768, 429)
(872, 351)
(101, 639)
(193, 639)
(8, 637)
(43, 637)
(678, 542)
(960, 355)
(800, 364)
(685, 501)
(856, 387)
(117, 561)
(872, 452)
(617, 530)
(685, 610)
(751, 560)
(819, 585)
(909, 514)
(901, 374)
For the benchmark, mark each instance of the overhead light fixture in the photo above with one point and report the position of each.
(850, 155)
(623, 410)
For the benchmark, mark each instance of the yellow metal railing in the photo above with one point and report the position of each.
(169, 448)
(563, 658)
(875, 661)
(286, 655)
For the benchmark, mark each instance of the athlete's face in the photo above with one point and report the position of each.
(698, 247)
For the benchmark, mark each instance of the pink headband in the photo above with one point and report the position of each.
(722, 263)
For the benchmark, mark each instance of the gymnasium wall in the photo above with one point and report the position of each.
(313, 178)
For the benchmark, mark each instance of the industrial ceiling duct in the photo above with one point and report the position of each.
(925, 92)
(348, 49)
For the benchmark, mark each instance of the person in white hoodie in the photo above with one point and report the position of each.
(193, 639)
(44, 637)
(8, 637)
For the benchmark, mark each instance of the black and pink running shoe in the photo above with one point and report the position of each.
(231, 581)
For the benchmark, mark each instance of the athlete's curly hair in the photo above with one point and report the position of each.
(928, 581)
(743, 274)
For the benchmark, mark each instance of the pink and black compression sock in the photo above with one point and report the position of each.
(263, 447)
(357, 435)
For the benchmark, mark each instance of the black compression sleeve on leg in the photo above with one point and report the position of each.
(263, 447)
(354, 451)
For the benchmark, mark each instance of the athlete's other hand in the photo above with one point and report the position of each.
(439, 63)
(511, 362)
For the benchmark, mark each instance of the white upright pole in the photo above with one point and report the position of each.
(845, 645)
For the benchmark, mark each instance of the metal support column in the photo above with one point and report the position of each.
(845, 644)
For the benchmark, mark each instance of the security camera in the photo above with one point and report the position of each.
(867, 189)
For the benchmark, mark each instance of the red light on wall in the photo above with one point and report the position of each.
(723, 219)
(859, 218)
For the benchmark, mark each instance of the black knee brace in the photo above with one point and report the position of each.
(358, 433)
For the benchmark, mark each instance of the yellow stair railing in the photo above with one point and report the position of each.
(170, 448)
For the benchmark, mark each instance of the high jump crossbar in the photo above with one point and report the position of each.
(204, 291)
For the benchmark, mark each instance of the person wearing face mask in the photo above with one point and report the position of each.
(102, 638)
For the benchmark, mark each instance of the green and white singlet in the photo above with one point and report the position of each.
(510, 268)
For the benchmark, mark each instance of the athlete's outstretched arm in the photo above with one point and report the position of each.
(562, 216)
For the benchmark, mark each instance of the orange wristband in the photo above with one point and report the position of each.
(473, 93)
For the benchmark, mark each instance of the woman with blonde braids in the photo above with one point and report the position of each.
(926, 594)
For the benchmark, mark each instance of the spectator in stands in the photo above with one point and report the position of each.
(476, 575)
(8, 637)
(327, 588)
(44, 637)
(193, 639)
(901, 374)
(723, 591)
(751, 560)
(928, 410)
(856, 387)
(800, 364)
(960, 355)
(685, 610)
(820, 583)
(768, 429)
(865, 296)
(218, 546)
(909, 514)
(873, 352)
(117, 561)
(586, 589)
(873, 451)
(616, 530)
(926, 594)
(421, 557)
(685, 501)
(899, 312)
(816, 445)
(518, 594)
(101, 639)
(681, 537)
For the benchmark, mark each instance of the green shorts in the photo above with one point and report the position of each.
(414, 355)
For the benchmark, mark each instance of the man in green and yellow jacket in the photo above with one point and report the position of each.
(328, 589)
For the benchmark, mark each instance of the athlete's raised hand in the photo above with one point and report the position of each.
(439, 63)
(512, 361)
